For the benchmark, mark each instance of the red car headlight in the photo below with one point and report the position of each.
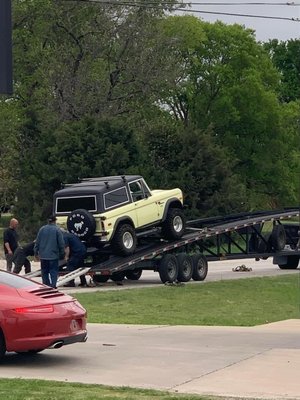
(35, 309)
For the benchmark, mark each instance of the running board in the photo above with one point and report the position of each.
(72, 275)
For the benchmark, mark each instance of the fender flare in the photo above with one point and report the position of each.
(120, 220)
(171, 203)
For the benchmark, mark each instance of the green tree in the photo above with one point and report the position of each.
(286, 58)
(230, 84)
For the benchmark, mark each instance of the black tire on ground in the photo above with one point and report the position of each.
(81, 223)
(200, 267)
(185, 267)
(168, 268)
(118, 276)
(134, 274)
(100, 278)
(2, 344)
(292, 263)
(174, 225)
(278, 237)
(124, 240)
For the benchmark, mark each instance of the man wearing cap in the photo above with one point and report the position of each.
(49, 248)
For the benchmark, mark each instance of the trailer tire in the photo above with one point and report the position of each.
(174, 225)
(124, 240)
(200, 267)
(100, 278)
(118, 276)
(134, 274)
(185, 267)
(292, 263)
(168, 268)
(278, 237)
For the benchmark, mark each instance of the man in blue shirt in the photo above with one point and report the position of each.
(49, 248)
(75, 252)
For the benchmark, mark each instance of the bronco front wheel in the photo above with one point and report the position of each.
(174, 225)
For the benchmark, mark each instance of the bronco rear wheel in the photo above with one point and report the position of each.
(124, 240)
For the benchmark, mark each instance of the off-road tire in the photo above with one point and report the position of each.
(185, 267)
(124, 240)
(200, 267)
(174, 225)
(168, 268)
(81, 223)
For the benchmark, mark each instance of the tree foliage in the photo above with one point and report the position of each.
(286, 58)
(103, 89)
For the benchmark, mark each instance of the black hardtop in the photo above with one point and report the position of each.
(93, 186)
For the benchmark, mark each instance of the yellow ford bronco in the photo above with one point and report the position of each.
(113, 209)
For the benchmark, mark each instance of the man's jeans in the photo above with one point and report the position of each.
(49, 269)
(9, 260)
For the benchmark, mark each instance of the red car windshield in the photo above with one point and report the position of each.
(15, 281)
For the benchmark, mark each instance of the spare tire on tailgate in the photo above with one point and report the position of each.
(81, 223)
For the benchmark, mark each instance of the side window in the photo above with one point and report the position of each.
(115, 198)
(137, 190)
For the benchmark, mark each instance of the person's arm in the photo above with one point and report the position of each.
(61, 243)
(67, 252)
(6, 242)
(36, 245)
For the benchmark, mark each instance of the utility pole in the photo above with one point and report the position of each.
(6, 80)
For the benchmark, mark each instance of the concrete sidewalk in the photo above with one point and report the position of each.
(257, 362)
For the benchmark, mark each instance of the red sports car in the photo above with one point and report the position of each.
(34, 317)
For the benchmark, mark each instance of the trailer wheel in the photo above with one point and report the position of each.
(292, 263)
(200, 267)
(2, 344)
(168, 268)
(174, 225)
(124, 240)
(134, 274)
(100, 278)
(185, 267)
(118, 276)
(278, 237)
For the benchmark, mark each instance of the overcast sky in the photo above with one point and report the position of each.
(265, 28)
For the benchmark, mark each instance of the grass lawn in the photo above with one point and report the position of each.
(243, 302)
(19, 389)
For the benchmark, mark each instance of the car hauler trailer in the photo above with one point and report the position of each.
(257, 235)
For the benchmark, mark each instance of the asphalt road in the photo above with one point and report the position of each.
(217, 270)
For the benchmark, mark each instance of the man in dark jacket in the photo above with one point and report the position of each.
(10, 242)
(49, 248)
(75, 253)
